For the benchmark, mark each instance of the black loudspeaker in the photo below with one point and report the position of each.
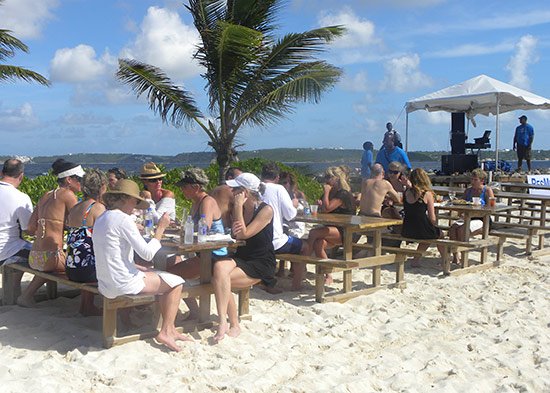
(458, 133)
(458, 140)
(458, 163)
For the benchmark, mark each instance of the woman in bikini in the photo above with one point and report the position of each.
(80, 263)
(48, 222)
(192, 184)
(164, 200)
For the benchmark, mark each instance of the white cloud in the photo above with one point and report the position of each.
(80, 64)
(403, 74)
(355, 83)
(475, 49)
(524, 56)
(26, 18)
(360, 32)
(165, 42)
(21, 118)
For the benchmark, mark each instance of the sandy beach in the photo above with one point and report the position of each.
(479, 332)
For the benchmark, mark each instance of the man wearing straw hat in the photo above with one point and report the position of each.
(116, 239)
(163, 200)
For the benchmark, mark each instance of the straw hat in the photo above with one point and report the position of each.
(193, 176)
(130, 188)
(150, 171)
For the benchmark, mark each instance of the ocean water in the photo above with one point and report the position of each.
(309, 168)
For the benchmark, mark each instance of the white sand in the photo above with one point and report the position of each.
(480, 332)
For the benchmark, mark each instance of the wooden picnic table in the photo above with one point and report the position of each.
(204, 249)
(353, 225)
(469, 211)
(524, 186)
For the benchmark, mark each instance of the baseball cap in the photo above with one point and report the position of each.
(246, 180)
(522, 117)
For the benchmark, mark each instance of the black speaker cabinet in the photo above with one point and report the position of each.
(458, 163)
(458, 140)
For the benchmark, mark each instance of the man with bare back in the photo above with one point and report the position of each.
(373, 192)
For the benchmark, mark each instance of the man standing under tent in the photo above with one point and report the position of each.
(523, 139)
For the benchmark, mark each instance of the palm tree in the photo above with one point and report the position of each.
(251, 76)
(8, 46)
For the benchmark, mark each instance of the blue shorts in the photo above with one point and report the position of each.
(292, 246)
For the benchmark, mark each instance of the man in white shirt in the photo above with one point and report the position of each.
(15, 212)
(284, 208)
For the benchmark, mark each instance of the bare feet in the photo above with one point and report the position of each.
(25, 302)
(234, 331)
(223, 328)
(167, 340)
(181, 337)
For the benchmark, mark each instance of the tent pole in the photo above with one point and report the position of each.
(497, 131)
(407, 132)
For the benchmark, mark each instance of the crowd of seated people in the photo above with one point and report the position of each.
(104, 243)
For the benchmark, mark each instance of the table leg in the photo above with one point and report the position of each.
(542, 223)
(206, 277)
(319, 284)
(348, 256)
(467, 220)
(484, 236)
(376, 271)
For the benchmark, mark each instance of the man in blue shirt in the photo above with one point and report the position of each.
(523, 139)
(390, 152)
(366, 160)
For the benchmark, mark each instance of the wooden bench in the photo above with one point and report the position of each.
(452, 246)
(330, 265)
(526, 231)
(111, 306)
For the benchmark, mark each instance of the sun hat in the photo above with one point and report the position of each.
(522, 117)
(193, 176)
(150, 171)
(130, 188)
(62, 169)
(246, 180)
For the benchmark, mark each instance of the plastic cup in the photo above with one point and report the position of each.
(476, 201)
(492, 201)
(314, 209)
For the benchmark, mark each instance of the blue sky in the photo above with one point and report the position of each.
(395, 50)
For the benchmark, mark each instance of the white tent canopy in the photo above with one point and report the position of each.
(480, 95)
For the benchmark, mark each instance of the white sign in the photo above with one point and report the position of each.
(539, 180)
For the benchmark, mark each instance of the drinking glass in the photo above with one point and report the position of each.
(452, 195)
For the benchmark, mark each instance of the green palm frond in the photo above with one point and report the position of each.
(9, 45)
(276, 65)
(304, 83)
(14, 73)
(173, 104)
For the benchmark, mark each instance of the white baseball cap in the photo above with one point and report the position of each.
(246, 180)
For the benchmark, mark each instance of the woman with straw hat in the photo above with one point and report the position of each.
(116, 239)
(164, 200)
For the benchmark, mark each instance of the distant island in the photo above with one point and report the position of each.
(288, 155)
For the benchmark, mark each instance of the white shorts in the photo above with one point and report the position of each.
(475, 225)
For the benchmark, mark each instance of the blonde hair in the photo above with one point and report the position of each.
(479, 173)
(420, 181)
(340, 172)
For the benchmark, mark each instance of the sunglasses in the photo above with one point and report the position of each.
(153, 180)
(394, 172)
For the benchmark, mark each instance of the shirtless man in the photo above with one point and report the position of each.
(224, 196)
(373, 192)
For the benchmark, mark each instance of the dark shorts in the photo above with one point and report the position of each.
(82, 274)
(24, 253)
(261, 269)
(524, 152)
(292, 246)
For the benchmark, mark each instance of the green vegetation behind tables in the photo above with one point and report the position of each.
(38, 186)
